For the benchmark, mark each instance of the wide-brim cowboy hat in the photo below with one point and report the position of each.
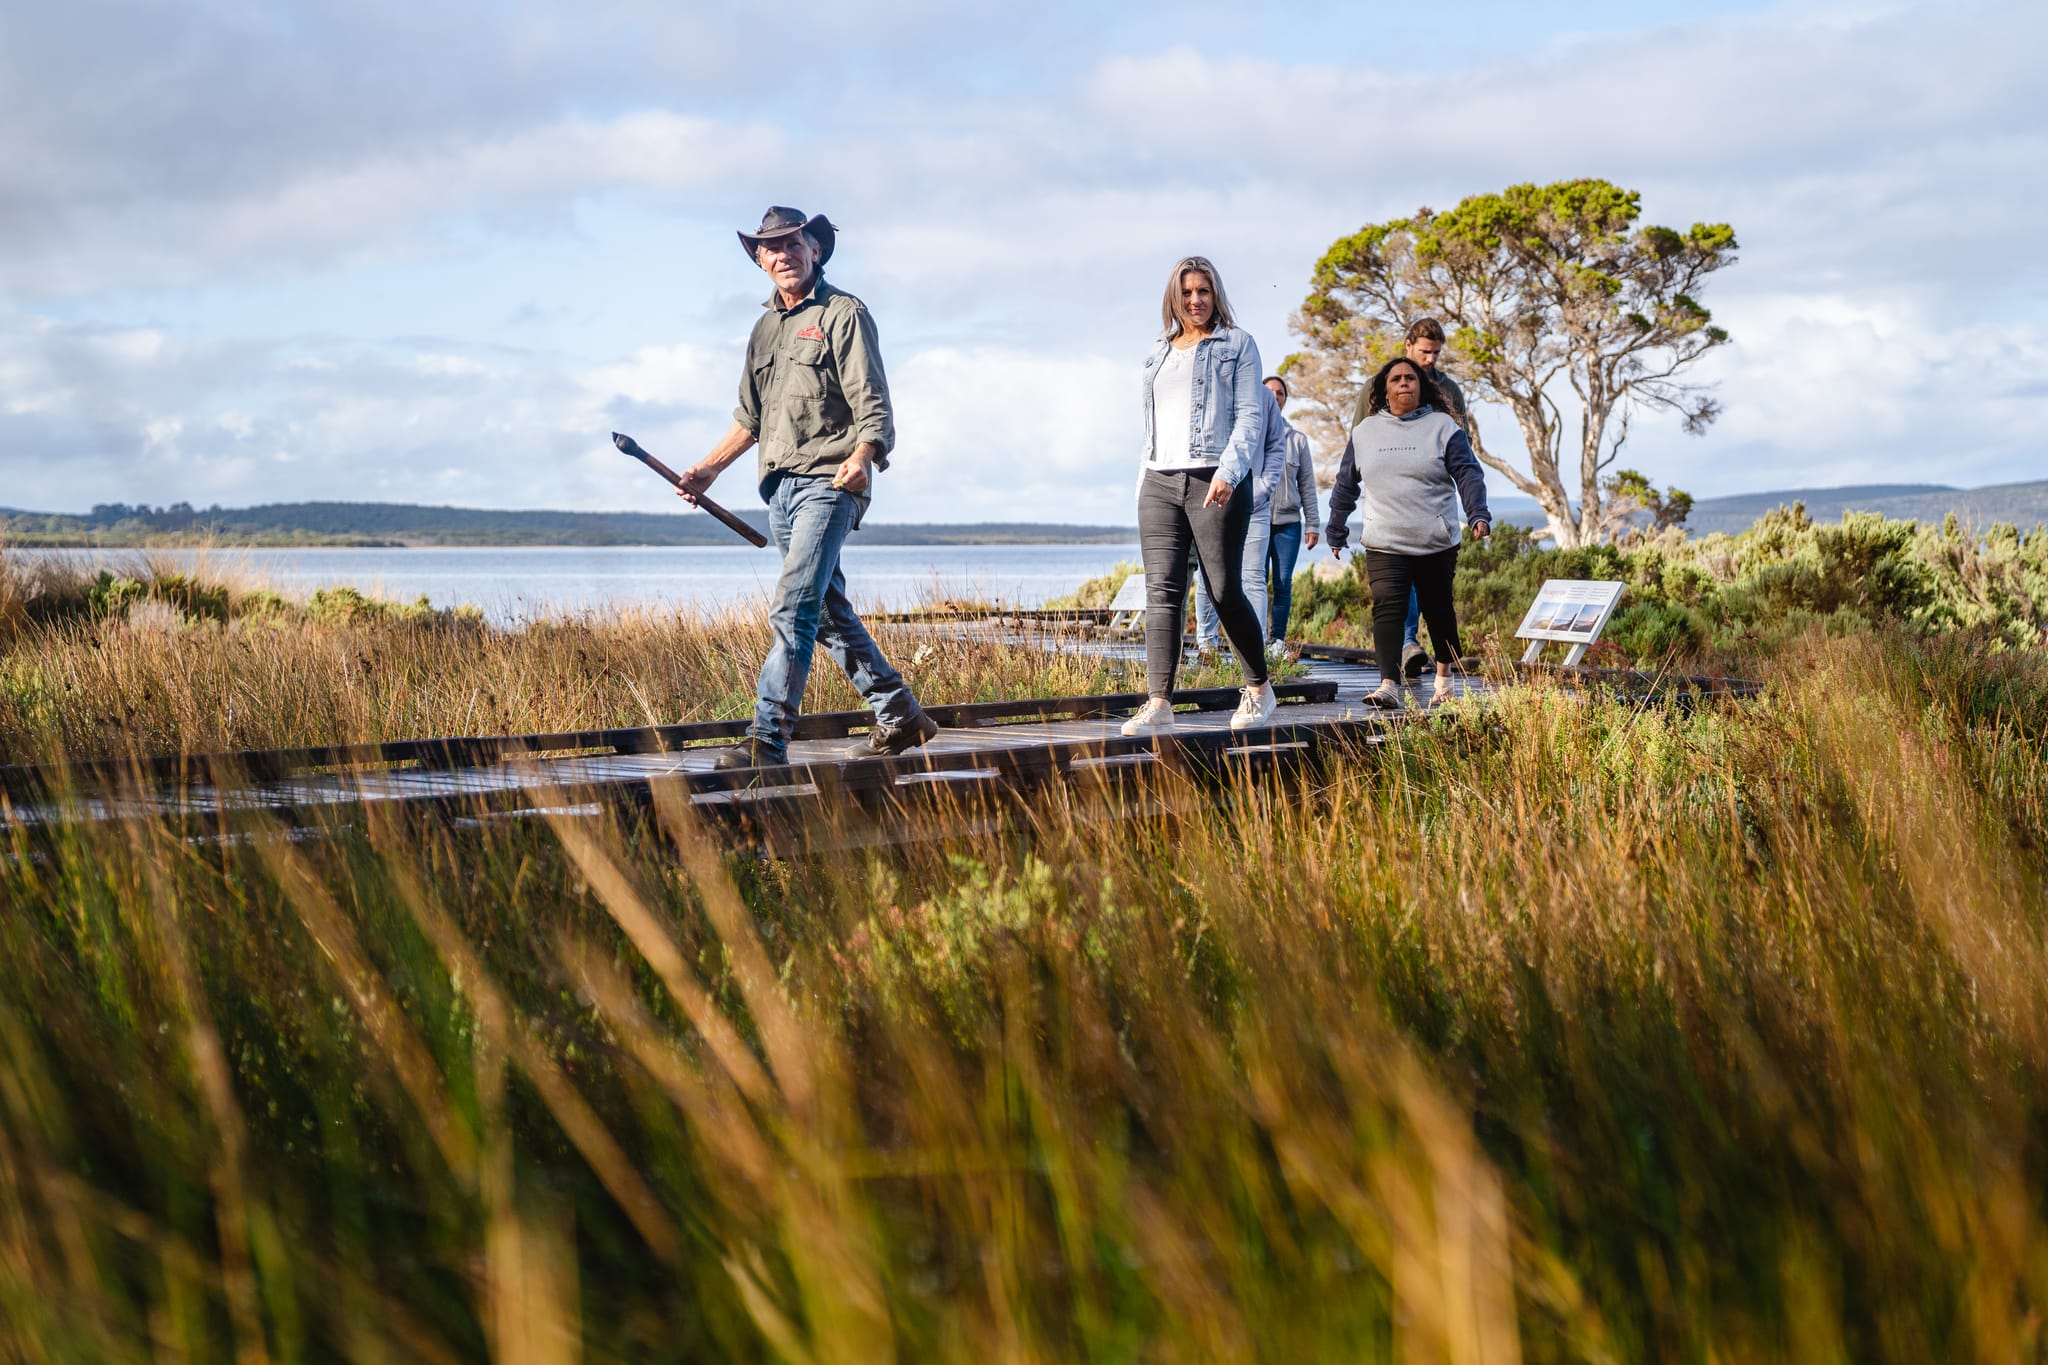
(781, 221)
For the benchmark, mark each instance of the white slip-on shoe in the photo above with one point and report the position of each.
(1257, 708)
(1155, 717)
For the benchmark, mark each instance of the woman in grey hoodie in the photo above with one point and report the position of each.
(1411, 465)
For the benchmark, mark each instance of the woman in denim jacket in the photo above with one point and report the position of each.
(1204, 432)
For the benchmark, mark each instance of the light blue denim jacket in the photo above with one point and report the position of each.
(1228, 420)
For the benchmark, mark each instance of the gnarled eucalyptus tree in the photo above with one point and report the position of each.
(1546, 291)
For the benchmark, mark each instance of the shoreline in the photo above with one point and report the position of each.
(522, 583)
(19, 542)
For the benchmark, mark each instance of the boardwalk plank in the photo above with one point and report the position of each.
(1010, 747)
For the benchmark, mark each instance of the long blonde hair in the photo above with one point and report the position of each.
(1172, 314)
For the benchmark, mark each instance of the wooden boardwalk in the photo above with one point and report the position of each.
(986, 755)
(1012, 746)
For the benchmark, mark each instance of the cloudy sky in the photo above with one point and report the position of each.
(384, 250)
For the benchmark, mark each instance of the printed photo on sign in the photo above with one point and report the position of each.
(1571, 610)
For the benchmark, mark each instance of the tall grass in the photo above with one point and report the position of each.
(150, 660)
(1553, 1032)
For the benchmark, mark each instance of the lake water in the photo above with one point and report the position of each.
(513, 584)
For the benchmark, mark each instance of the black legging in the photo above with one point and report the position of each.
(1170, 518)
(1391, 576)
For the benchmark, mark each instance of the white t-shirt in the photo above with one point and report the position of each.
(1173, 403)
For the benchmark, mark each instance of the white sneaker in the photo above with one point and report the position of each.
(1276, 650)
(1154, 718)
(1257, 708)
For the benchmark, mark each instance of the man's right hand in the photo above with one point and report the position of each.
(695, 481)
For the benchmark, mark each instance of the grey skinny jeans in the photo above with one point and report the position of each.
(1171, 517)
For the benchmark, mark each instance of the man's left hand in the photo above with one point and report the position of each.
(1309, 540)
(853, 471)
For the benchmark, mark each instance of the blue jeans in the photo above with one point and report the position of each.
(1208, 630)
(810, 520)
(1413, 624)
(1280, 557)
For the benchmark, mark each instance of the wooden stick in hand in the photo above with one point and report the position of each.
(740, 528)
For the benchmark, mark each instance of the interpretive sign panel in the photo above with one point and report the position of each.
(1572, 610)
(1128, 610)
(1131, 596)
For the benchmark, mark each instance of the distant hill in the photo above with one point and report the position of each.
(2022, 504)
(385, 523)
(117, 525)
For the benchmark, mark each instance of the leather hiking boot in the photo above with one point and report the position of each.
(886, 741)
(749, 753)
(1414, 659)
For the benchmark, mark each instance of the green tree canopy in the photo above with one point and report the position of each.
(1547, 292)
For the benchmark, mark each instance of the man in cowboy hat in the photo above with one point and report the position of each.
(814, 398)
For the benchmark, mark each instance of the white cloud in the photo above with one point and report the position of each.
(386, 201)
(671, 375)
(448, 365)
(1843, 388)
(999, 434)
(1878, 166)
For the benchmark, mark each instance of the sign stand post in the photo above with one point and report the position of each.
(1571, 610)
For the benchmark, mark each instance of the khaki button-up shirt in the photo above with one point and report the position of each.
(813, 389)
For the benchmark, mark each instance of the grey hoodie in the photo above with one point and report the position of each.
(1410, 473)
(1294, 493)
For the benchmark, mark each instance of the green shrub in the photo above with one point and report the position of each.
(350, 604)
(108, 595)
(1722, 598)
(1656, 630)
(191, 596)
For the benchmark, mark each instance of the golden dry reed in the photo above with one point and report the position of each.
(103, 670)
(1561, 1029)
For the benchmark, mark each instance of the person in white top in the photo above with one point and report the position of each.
(1204, 437)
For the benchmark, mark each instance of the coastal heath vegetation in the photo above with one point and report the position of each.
(151, 657)
(1727, 602)
(1545, 1032)
(1716, 602)
(1559, 1029)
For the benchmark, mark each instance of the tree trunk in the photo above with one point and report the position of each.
(1545, 483)
(1599, 406)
